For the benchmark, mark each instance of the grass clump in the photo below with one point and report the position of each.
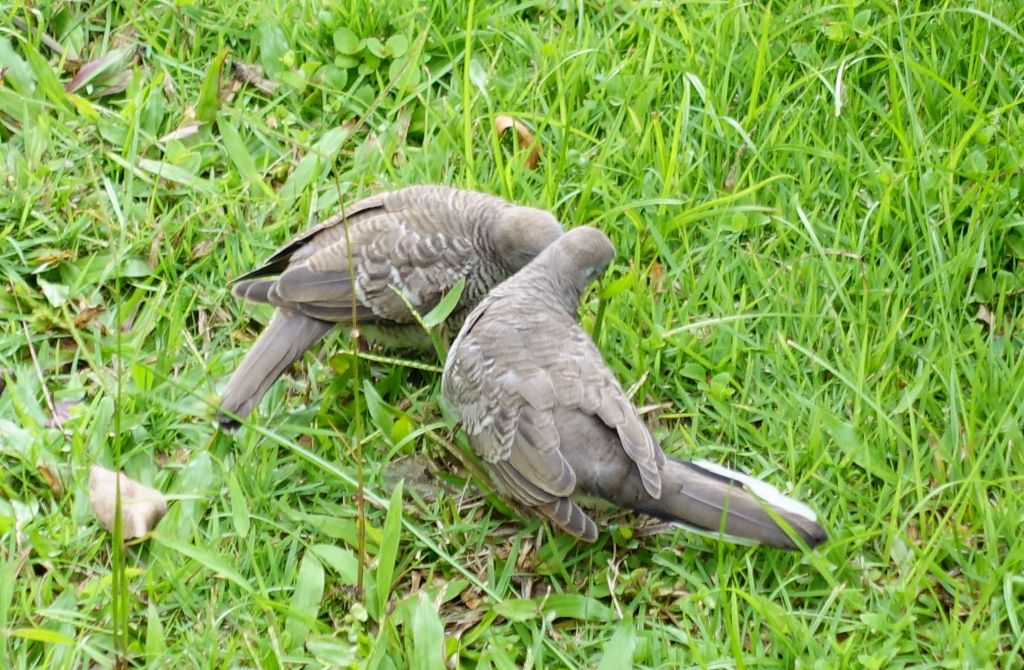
(817, 213)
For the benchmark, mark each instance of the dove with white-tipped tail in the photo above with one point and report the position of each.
(553, 425)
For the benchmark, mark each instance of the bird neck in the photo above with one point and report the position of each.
(553, 292)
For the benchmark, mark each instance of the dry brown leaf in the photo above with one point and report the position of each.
(168, 85)
(49, 258)
(179, 457)
(401, 132)
(984, 315)
(202, 249)
(52, 480)
(107, 75)
(470, 597)
(415, 472)
(141, 506)
(61, 413)
(126, 37)
(87, 315)
(647, 409)
(50, 43)
(657, 277)
(185, 130)
(523, 134)
(730, 179)
(252, 74)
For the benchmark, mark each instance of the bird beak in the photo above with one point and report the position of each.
(599, 319)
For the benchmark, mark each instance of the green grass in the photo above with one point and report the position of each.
(820, 276)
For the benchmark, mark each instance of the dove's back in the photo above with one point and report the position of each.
(372, 261)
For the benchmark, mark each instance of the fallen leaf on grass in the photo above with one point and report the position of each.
(730, 179)
(185, 130)
(523, 134)
(47, 41)
(470, 597)
(88, 314)
(52, 480)
(61, 413)
(252, 74)
(108, 74)
(141, 506)
(416, 472)
(401, 132)
(179, 457)
(984, 315)
(168, 85)
(657, 277)
(203, 248)
(49, 258)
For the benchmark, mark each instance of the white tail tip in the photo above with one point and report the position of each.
(763, 490)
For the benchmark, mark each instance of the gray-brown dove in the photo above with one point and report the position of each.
(418, 241)
(548, 417)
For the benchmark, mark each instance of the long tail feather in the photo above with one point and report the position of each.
(715, 499)
(287, 336)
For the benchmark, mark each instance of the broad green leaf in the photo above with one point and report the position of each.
(321, 153)
(175, 174)
(273, 47)
(846, 438)
(42, 635)
(342, 561)
(377, 408)
(342, 529)
(618, 653)
(48, 81)
(17, 71)
(346, 42)
(444, 308)
(404, 74)
(692, 370)
(618, 286)
(334, 77)
(401, 428)
(239, 507)
(209, 93)
(333, 652)
(427, 636)
(156, 644)
(376, 47)
(101, 267)
(396, 46)
(389, 549)
(211, 561)
(562, 606)
(56, 294)
(239, 155)
(306, 598)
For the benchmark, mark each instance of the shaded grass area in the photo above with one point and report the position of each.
(817, 213)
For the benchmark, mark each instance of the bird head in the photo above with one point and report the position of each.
(522, 233)
(578, 258)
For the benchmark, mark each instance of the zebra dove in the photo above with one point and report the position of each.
(551, 422)
(418, 242)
